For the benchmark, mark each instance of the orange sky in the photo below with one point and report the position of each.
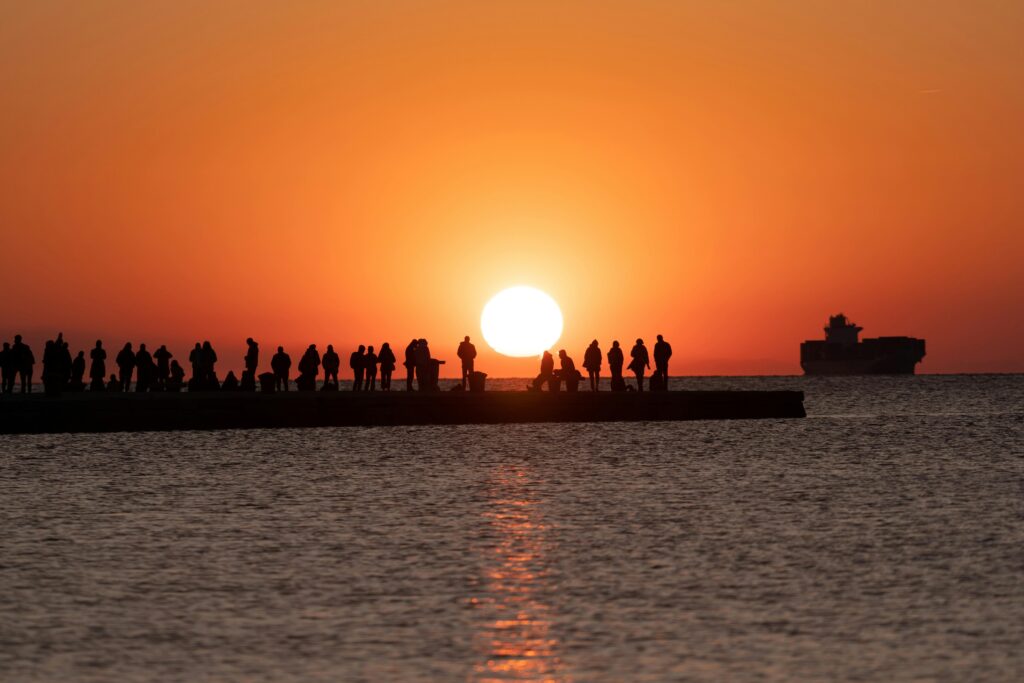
(725, 173)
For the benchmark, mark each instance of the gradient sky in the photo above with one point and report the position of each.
(725, 173)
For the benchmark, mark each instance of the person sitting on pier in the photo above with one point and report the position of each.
(281, 363)
(77, 382)
(387, 365)
(195, 359)
(370, 366)
(98, 367)
(163, 368)
(309, 368)
(640, 362)
(146, 369)
(547, 373)
(252, 356)
(662, 352)
(6, 369)
(568, 372)
(24, 362)
(592, 363)
(615, 361)
(355, 361)
(467, 354)
(115, 385)
(177, 377)
(230, 382)
(125, 365)
(410, 363)
(332, 364)
(209, 359)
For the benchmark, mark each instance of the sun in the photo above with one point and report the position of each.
(521, 322)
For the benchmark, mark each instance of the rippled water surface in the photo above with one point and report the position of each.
(882, 538)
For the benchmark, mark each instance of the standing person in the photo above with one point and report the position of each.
(410, 363)
(125, 365)
(6, 369)
(615, 361)
(332, 363)
(24, 361)
(78, 372)
(466, 353)
(387, 366)
(592, 363)
(49, 368)
(662, 352)
(281, 363)
(309, 368)
(98, 367)
(370, 364)
(209, 362)
(195, 359)
(145, 369)
(640, 362)
(425, 380)
(355, 361)
(252, 356)
(163, 365)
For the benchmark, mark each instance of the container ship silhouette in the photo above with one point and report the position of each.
(841, 353)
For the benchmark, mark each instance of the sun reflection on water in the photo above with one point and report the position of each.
(516, 636)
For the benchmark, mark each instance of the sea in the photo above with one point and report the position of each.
(879, 539)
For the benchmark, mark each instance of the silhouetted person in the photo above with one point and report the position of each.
(24, 362)
(230, 382)
(592, 362)
(466, 353)
(98, 366)
(176, 380)
(332, 364)
(424, 369)
(615, 361)
(410, 363)
(77, 382)
(662, 352)
(355, 361)
(115, 385)
(195, 359)
(641, 361)
(568, 372)
(309, 368)
(6, 369)
(209, 357)
(125, 365)
(281, 363)
(370, 364)
(145, 369)
(163, 365)
(252, 356)
(547, 373)
(387, 365)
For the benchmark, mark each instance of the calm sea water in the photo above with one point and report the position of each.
(880, 539)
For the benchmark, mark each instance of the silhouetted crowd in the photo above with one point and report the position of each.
(160, 371)
(640, 363)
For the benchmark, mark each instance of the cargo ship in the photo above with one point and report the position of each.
(843, 353)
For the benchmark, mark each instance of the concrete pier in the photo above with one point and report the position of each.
(85, 412)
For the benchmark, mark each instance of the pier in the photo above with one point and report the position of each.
(85, 412)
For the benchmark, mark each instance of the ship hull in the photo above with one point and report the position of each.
(885, 366)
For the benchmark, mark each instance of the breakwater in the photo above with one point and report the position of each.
(87, 412)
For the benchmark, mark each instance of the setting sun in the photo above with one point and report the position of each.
(521, 322)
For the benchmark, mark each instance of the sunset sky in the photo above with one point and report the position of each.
(725, 173)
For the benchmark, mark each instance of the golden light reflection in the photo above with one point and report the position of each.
(516, 638)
